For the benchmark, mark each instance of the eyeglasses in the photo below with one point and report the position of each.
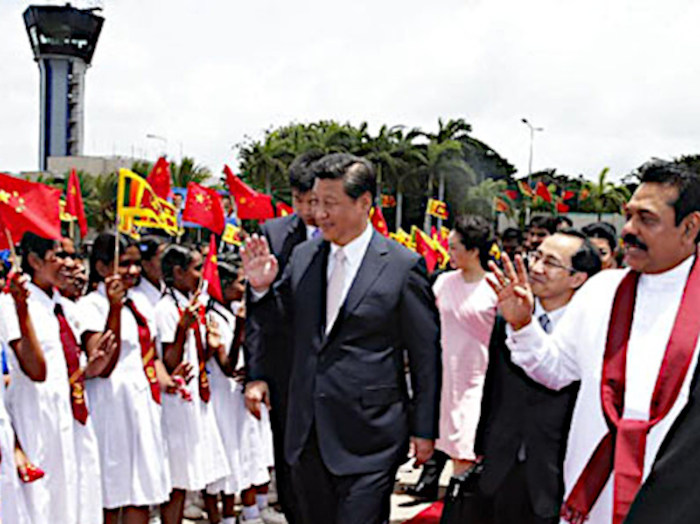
(548, 261)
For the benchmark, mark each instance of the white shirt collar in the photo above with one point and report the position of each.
(554, 315)
(40, 295)
(310, 231)
(668, 279)
(355, 249)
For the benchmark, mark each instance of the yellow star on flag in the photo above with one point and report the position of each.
(199, 198)
(4, 196)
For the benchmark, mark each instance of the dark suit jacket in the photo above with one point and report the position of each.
(349, 385)
(516, 410)
(283, 235)
(671, 492)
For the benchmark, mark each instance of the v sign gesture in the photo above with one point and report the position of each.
(515, 299)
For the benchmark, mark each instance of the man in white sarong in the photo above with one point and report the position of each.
(630, 337)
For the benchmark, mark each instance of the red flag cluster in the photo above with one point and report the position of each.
(204, 207)
(249, 203)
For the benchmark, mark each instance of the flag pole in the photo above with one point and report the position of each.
(13, 254)
(116, 248)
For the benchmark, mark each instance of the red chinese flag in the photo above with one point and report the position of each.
(28, 206)
(427, 251)
(249, 203)
(283, 209)
(74, 202)
(378, 221)
(511, 194)
(562, 207)
(542, 191)
(210, 273)
(203, 206)
(568, 195)
(159, 178)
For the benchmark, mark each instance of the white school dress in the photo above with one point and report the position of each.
(196, 450)
(13, 509)
(86, 449)
(127, 418)
(42, 416)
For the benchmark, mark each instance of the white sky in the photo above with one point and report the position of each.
(612, 83)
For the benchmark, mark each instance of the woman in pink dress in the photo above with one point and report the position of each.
(467, 312)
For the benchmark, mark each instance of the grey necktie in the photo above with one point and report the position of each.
(334, 290)
(545, 322)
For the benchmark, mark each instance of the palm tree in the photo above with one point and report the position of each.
(187, 171)
(605, 196)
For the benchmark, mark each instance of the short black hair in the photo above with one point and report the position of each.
(358, 174)
(512, 233)
(103, 251)
(33, 243)
(475, 233)
(687, 183)
(543, 222)
(301, 175)
(148, 246)
(175, 255)
(604, 230)
(561, 219)
(587, 257)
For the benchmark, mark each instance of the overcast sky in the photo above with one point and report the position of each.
(611, 83)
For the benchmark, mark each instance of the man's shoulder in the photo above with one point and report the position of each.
(280, 225)
(397, 252)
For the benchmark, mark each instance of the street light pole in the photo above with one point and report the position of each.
(162, 139)
(529, 163)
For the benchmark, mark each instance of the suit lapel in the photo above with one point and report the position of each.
(369, 271)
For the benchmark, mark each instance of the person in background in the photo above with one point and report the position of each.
(524, 425)
(540, 227)
(150, 284)
(512, 241)
(604, 237)
(467, 306)
(563, 222)
(283, 235)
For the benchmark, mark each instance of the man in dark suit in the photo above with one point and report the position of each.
(283, 235)
(354, 301)
(524, 426)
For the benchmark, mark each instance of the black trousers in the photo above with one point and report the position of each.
(278, 417)
(325, 498)
(511, 502)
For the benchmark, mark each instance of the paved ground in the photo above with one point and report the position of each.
(403, 507)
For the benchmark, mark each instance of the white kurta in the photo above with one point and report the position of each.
(196, 451)
(127, 419)
(575, 352)
(42, 416)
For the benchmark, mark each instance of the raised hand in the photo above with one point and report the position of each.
(116, 291)
(97, 362)
(512, 285)
(259, 264)
(18, 288)
(213, 335)
(256, 393)
(191, 313)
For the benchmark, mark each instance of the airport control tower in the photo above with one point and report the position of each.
(63, 39)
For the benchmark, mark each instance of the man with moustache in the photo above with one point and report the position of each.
(283, 235)
(355, 303)
(524, 424)
(630, 337)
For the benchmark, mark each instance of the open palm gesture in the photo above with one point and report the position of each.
(515, 299)
(259, 264)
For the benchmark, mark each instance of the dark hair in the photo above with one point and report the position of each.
(587, 257)
(512, 233)
(543, 222)
(357, 173)
(301, 176)
(148, 246)
(475, 233)
(103, 251)
(603, 230)
(33, 243)
(558, 221)
(684, 180)
(175, 255)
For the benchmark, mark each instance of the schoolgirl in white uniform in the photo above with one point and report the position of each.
(126, 397)
(196, 451)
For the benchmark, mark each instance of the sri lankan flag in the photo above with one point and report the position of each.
(139, 206)
(232, 235)
(437, 208)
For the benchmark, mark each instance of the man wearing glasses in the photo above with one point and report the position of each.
(525, 425)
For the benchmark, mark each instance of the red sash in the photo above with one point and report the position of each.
(622, 449)
(204, 391)
(148, 350)
(76, 379)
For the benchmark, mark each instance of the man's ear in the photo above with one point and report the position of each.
(366, 201)
(691, 226)
(178, 273)
(578, 279)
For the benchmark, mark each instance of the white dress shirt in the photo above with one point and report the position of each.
(575, 351)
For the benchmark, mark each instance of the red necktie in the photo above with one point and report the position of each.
(76, 379)
(204, 391)
(148, 350)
